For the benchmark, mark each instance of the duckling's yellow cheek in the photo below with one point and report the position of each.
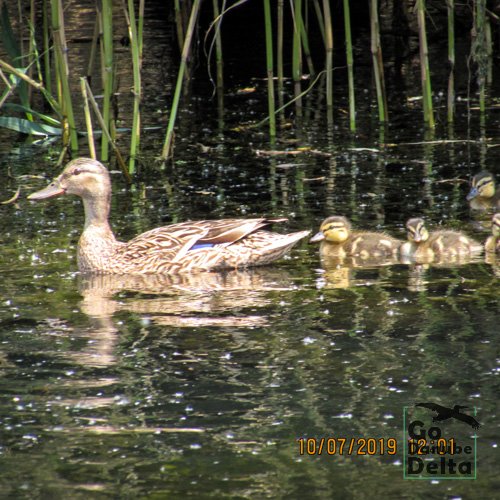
(336, 235)
(488, 191)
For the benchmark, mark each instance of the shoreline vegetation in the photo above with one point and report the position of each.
(313, 43)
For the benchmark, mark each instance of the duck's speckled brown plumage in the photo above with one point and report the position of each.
(427, 247)
(229, 243)
(339, 240)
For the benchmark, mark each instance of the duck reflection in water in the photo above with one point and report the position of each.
(189, 300)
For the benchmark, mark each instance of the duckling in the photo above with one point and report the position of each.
(492, 244)
(338, 240)
(422, 245)
(483, 195)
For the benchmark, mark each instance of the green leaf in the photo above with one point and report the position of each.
(27, 127)
(24, 109)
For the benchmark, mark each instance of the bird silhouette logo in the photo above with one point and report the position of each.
(444, 413)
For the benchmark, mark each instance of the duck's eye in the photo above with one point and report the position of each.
(77, 171)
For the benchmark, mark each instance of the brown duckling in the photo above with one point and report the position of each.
(492, 244)
(438, 245)
(483, 195)
(338, 239)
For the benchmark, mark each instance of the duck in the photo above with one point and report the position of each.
(338, 239)
(193, 246)
(492, 244)
(437, 245)
(483, 195)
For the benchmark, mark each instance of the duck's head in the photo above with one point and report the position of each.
(82, 177)
(482, 185)
(334, 229)
(495, 225)
(417, 231)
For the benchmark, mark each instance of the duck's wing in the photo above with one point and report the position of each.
(168, 246)
(218, 232)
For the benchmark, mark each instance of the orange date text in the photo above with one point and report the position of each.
(347, 446)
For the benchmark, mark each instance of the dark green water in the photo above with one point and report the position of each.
(199, 386)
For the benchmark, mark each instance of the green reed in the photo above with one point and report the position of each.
(377, 60)
(135, 35)
(321, 23)
(167, 146)
(47, 77)
(107, 64)
(305, 47)
(424, 66)
(297, 55)
(270, 67)
(219, 61)
(88, 118)
(62, 71)
(451, 60)
(350, 71)
(480, 50)
(106, 132)
(327, 16)
(279, 50)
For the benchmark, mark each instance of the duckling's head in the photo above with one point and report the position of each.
(83, 177)
(482, 185)
(495, 225)
(334, 229)
(416, 230)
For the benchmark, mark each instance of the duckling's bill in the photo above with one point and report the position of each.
(319, 236)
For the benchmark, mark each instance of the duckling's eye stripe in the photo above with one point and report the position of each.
(483, 182)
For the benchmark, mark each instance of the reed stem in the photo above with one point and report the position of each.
(60, 47)
(107, 42)
(350, 71)
(297, 55)
(218, 51)
(47, 77)
(279, 55)
(88, 118)
(378, 65)
(105, 131)
(270, 64)
(305, 46)
(178, 87)
(135, 44)
(480, 50)
(321, 22)
(327, 16)
(424, 65)
(451, 60)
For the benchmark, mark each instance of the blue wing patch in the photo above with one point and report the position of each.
(196, 246)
